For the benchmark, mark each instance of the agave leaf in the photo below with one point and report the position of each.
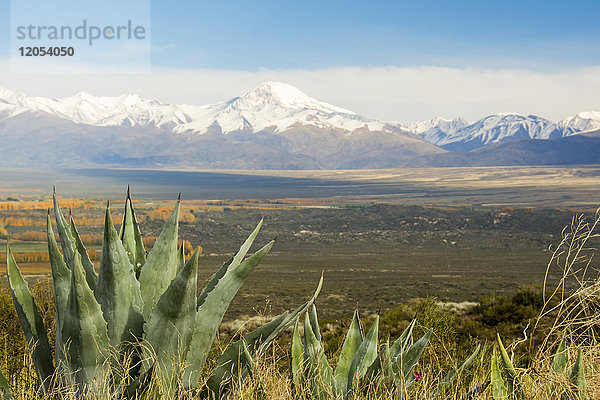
(214, 304)
(291, 318)
(246, 359)
(384, 366)
(386, 363)
(67, 241)
(319, 373)
(297, 358)
(499, 390)
(31, 321)
(169, 330)
(381, 368)
(88, 265)
(401, 344)
(514, 387)
(131, 236)
(5, 391)
(61, 279)
(352, 342)
(365, 355)
(406, 362)
(577, 377)
(161, 265)
(87, 347)
(118, 290)
(314, 322)
(181, 257)
(214, 279)
(561, 358)
(451, 376)
(230, 367)
(232, 262)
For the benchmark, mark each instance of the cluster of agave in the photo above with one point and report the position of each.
(139, 320)
(361, 363)
(512, 387)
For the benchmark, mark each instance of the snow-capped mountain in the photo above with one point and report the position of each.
(273, 126)
(500, 128)
(271, 105)
(584, 121)
(437, 129)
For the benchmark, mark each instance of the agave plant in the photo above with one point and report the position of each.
(139, 319)
(360, 363)
(511, 388)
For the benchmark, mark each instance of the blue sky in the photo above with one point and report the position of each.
(245, 35)
(400, 60)
(318, 34)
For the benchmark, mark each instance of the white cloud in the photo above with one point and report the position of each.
(401, 94)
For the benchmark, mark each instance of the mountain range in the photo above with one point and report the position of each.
(273, 126)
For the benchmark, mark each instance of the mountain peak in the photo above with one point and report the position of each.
(284, 95)
(507, 114)
(279, 91)
(583, 121)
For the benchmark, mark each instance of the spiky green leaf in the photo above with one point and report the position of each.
(365, 355)
(214, 304)
(514, 387)
(451, 376)
(292, 317)
(85, 333)
(314, 322)
(577, 377)
(383, 366)
(169, 330)
(257, 342)
(319, 373)
(230, 367)
(402, 344)
(353, 340)
(297, 357)
(131, 236)
(67, 241)
(406, 362)
(499, 390)
(61, 279)
(161, 265)
(561, 358)
(118, 290)
(232, 262)
(88, 265)
(31, 321)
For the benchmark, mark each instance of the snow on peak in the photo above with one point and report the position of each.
(508, 114)
(501, 127)
(285, 95)
(278, 106)
(583, 121)
(435, 123)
